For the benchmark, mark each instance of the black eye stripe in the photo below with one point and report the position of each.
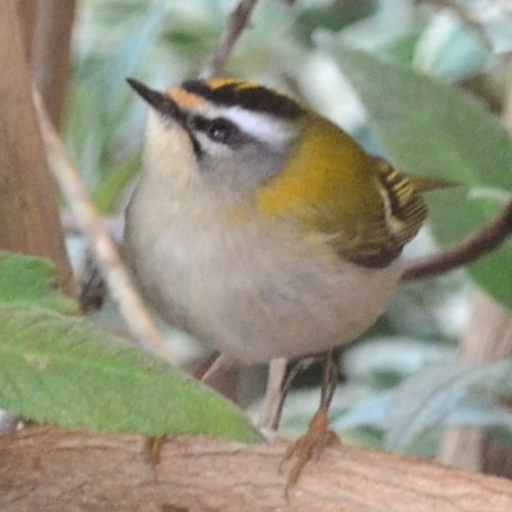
(220, 129)
(198, 123)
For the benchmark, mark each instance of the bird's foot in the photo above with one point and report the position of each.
(309, 446)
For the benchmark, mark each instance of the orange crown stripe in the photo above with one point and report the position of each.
(185, 99)
(218, 83)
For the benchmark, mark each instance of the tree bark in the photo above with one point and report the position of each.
(46, 468)
(27, 13)
(51, 54)
(28, 206)
(488, 338)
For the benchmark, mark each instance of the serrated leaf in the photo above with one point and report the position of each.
(428, 127)
(65, 371)
(26, 279)
(428, 397)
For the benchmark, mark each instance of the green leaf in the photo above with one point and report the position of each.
(26, 279)
(65, 371)
(430, 128)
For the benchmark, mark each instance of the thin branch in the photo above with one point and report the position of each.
(490, 236)
(237, 23)
(215, 364)
(107, 258)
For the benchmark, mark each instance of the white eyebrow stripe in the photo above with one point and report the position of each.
(263, 127)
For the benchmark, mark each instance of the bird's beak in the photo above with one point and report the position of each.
(160, 101)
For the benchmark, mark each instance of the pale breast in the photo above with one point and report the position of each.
(252, 290)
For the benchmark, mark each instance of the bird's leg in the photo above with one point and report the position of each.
(318, 436)
(270, 411)
(302, 365)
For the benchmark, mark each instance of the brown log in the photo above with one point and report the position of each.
(27, 13)
(29, 218)
(51, 53)
(488, 338)
(44, 468)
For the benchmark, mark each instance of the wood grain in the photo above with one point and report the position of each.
(50, 469)
(29, 214)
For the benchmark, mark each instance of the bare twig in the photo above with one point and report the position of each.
(237, 23)
(486, 239)
(77, 197)
(215, 364)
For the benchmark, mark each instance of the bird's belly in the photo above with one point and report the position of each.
(257, 297)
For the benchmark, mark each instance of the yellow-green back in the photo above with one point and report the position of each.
(366, 209)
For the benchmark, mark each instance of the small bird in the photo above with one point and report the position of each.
(259, 226)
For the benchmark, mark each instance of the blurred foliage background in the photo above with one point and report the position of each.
(393, 393)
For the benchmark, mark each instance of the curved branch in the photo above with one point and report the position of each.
(73, 189)
(490, 236)
(238, 21)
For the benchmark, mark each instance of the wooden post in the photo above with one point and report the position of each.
(29, 216)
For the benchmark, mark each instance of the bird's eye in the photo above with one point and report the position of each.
(221, 130)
